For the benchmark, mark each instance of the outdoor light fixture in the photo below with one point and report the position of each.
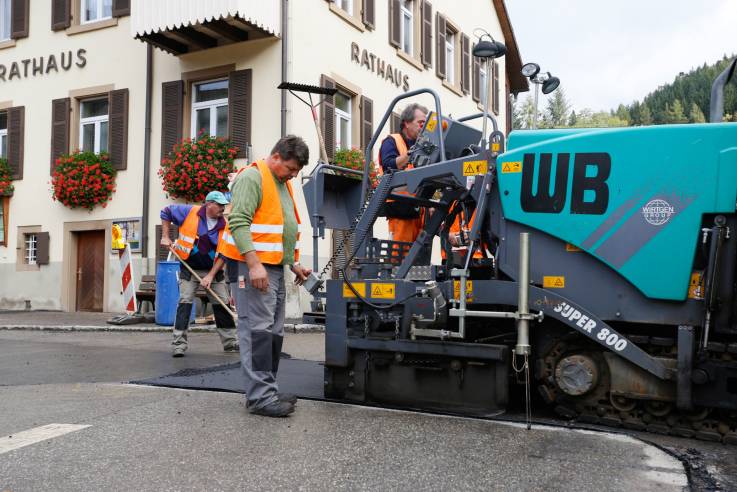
(548, 82)
(487, 49)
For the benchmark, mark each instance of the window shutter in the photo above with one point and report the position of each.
(465, 64)
(394, 34)
(426, 33)
(368, 16)
(395, 123)
(476, 75)
(162, 253)
(121, 8)
(440, 29)
(367, 121)
(495, 87)
(118, 134)
(239, 109)
(61, 14)
(42, 248)
(60, 109)
(19, 19)
(16, 124)
(172, 101)
(327, 116)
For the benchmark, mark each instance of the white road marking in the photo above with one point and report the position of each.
(37, 434)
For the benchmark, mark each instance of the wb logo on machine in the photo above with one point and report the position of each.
(589, 190)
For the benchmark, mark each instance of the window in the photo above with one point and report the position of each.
(483, 83)
(346, 5)
(93, 125)
(450, 61)
(210, 108)
(30, 249)
(342, 121)
(406, 26)
(4, 20)
(96, 10)
(4, 134)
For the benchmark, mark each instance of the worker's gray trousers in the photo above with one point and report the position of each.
(261, 333)
(224, 324)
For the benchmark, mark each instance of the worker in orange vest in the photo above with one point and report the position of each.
(458, 238)
(405, 222)
(201, 230)
(262, 236)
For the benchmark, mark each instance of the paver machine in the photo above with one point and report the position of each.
(594, 267)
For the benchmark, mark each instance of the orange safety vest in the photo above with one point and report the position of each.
(188, 234)
(405, 230)
(456, 227)
(267, 227)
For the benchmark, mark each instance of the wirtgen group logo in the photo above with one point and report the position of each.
(657, 212)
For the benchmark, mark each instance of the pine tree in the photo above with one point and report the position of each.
(572, 120)
(646, 118)
(676, 114)
(696, 115)
(557, 110)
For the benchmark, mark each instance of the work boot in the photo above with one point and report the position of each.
(275, 409)
(287, 398)
(178, 352)
(231, 347)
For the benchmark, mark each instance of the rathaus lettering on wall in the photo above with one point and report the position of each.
(30, 67)
(379, 67)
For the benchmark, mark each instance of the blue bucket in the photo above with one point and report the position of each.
(167, 293)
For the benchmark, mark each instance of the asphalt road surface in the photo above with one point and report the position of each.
(70, 421)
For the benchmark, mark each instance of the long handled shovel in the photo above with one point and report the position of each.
(209, 290)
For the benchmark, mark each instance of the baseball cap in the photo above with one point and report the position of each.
(217, 197)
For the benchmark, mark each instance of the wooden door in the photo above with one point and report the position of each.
(90, 270)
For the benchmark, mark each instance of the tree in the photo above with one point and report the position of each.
(524, 114)
(572, 120)
(646, 118)
(623, 114)
(696, 115)
(674, 114)
(557, 110)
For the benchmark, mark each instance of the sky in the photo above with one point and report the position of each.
(618, 51)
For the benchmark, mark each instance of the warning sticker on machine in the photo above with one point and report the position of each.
(472, 168)
(554, 282)
(431, 123)
(359, 286)
(383, 291)
(511, 167)
(495, 146)
(457, 290)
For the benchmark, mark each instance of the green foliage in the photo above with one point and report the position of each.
(556, 115)
(6, 183)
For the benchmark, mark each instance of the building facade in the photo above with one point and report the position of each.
(132, 79)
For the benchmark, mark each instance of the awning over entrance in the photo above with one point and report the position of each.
(184, 26)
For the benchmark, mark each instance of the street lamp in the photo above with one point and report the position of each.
(549, 83)
(488, 49)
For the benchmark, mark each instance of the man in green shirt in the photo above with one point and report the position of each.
(264, 225)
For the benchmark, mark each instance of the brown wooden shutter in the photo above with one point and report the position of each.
(239, 109)
(465, 64)
(440, 29)
(162, 253)
(495, 87)
(19, 19)
(172, 102)
(368, 15)
(367, 121)
(327, 117)
(426, 33)
(118, 134)
(60, 109)
(42, 248)
(476, 76)
(395, 123)
(61, 14)
(121, 8)
(16, 124)
(394, 23)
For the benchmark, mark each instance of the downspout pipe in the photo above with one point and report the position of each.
(147, 151)
(284, 60)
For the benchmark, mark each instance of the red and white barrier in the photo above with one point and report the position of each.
(129, 289)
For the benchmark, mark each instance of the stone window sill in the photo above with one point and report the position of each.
(8, 43)
(92, 26)
(452, 88)
(410, 59)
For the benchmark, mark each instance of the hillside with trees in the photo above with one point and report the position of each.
(685, 100)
